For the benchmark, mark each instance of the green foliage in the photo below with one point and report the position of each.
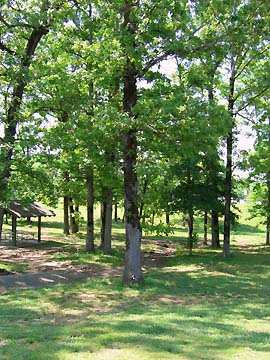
(72, 119)
(158, 229)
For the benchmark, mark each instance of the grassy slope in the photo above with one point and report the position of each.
(200, 307)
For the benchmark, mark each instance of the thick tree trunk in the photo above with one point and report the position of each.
(205, 228)
(90, 247)
(215, 243)
(167, 218)
(132, 272)
(107, 242)
(66, 215)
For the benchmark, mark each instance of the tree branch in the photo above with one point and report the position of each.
(18, 24)
(5, 48)
(239, 72)
(178, 52)
(251, 100)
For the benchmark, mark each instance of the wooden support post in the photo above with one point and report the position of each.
(39, 228)
(14, 230)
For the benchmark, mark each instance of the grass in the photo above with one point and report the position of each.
(200, 307)
(79, 256)
(194, 308)
(16, 267)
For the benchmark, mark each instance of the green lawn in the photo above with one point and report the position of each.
(194, 308)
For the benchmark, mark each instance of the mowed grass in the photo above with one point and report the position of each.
(194, 308)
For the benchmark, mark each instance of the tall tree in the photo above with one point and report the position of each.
(244, 29)
(22, 30)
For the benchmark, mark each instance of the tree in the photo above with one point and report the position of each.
(259, 163)
(23, 37)
(241, 22)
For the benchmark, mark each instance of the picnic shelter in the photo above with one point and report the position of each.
(17, 209)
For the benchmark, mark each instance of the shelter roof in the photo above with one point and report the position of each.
(21, 210)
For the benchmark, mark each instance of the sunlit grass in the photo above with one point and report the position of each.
(15, 267)
(194, 307)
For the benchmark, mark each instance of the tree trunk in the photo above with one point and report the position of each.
(215, 243)
(142, 201)
(102, 221)
(228, 196)
(153, 218)
(115, 212)
(77, 221)
(14, 230)
(66, 215)
(229, 153)
(167, 218)
(72, 218)
(90, 247)
(267, 240)
(1, 221)
(39, 228)
(205, 228)
(14, 107)
(107, 243)
(132, 272)
(190, 231)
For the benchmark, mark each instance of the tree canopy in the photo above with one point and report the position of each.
(88, 114)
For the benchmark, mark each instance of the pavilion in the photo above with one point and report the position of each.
(17, 209)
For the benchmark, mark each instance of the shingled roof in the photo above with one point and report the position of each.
(20, 210)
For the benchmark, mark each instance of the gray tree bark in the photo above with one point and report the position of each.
(132, 272)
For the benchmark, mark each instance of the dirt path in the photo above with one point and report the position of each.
(50, 278)
(38, 259)
(41, 268)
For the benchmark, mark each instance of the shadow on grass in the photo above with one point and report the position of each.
(197, 307)
(175, 313)
(245, 229)
(44, 244)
